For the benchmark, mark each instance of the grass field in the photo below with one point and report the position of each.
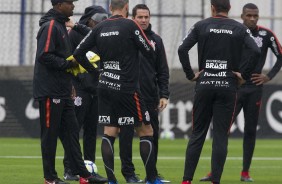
(20, 161)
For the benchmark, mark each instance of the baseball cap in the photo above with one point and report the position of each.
(54, 2)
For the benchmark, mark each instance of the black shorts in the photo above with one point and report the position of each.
(121, 109)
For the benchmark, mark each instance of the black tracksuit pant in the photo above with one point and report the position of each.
(218, 105)
(86, 110)
(55, 114)
(125, 141)
(249, 99)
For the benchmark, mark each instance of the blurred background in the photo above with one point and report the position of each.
(171, 19)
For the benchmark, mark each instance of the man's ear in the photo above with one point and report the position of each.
(111, 9)
(213, 10)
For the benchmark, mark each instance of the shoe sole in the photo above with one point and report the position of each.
(205, 179)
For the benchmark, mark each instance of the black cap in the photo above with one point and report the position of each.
(97, 13)
(54, 2)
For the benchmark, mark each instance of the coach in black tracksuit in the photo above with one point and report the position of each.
(220, 42)
(154, 81)
(52, 88)
(86, 100)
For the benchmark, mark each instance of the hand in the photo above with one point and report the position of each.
(259, 79)
(93, 58)
(70, 23)
(240, 78)
(73, 62)
(73, 93)
(163, 103)
(197, 75)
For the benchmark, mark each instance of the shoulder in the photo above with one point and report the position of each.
(263, 31)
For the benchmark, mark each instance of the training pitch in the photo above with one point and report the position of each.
(20, 161)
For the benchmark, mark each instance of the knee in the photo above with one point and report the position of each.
(145, 130)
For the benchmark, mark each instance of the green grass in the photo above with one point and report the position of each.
(20, 161)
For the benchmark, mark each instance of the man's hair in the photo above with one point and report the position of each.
(221, 5)
(139, 6)
(250, 6)
(118, 4)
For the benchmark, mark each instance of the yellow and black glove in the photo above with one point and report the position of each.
(91, 56)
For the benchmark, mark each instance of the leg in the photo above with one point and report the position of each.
(202, 114)
(71, 141)
(107, 149)
(50, 119)
(251, 112)
(90, 130)
(223, 116)
(145, 133)
(125, 143)
(82, 105)
(155, 125)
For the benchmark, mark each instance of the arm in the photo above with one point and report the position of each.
(47, 42)
(276, 48)
(188, 42)
(80, 52)
(81, 28)
(162, 71)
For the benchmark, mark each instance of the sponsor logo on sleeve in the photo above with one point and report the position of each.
(274, 45)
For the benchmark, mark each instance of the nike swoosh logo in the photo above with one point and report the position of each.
(30, 111)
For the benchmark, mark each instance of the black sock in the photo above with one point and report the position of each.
(148, 157)
(107, 149)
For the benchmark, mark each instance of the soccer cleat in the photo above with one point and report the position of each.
(70, 177)
(89, 180)
(186, 182)
(56, 181)
(208, 177)
(133, 179)
(161, 178)
(100, 178)
(245, 176)
(157, 181)
(113, 182)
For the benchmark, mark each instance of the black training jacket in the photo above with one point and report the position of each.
(53, 47)
(220, 44)
(154, 74)
(118, 41)
(265, 39)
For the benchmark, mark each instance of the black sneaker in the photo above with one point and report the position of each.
(70, 177)
(206, 178)
(91, 179)
(100, 178)
(133, 179)
(56, 181)
(161, 178)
